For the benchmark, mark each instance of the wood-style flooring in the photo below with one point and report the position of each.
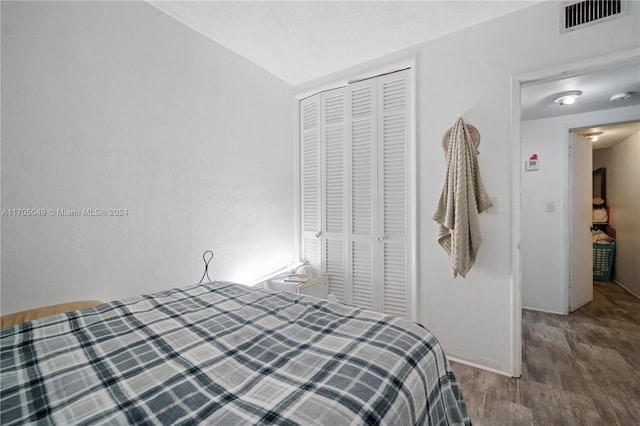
(577, 369)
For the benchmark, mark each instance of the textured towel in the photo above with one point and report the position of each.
(463, 197)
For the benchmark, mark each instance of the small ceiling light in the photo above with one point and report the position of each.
(567, 98)
(620, 96)
(593, 136)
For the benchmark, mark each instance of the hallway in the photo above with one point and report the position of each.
(580, 369)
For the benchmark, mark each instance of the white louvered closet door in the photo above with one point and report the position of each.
(379, 216)
(334, 134)
(356, 179)
(362, 194)
(310, 138)
(392, 254)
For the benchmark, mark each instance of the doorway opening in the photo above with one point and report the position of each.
(542, 212)
(615, 188)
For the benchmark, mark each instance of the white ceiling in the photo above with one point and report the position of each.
(611, 134)
(299, 41)
(596, 87)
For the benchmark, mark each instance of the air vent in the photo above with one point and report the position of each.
(576, 15)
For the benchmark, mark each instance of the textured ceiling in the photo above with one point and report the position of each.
(299, 41)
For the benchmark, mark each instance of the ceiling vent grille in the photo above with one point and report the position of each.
(576, 15)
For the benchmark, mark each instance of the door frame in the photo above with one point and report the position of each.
(572, 210)
(517, 81)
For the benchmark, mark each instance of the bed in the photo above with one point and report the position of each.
(224, 353)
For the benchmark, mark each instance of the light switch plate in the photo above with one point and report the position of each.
(496, 206)
(549, 206)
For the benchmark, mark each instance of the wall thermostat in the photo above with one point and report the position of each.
(532, 163)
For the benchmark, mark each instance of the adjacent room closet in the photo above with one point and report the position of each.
(358, 191)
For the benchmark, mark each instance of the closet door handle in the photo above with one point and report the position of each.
(381, 239)
(318, 234)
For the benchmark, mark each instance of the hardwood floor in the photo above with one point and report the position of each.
(577, 369)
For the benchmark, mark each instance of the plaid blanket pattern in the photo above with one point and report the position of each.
(225, 354)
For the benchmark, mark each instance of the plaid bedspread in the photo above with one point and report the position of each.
(225, 354)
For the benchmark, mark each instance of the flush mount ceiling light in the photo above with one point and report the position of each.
(567, 98)
(593, 136)
(620, 96)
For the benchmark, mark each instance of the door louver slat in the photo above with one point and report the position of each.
(395, 279)
(362, 169)
(394, 163)
(362, 275)
(334, 109)
(361, 102)
(310, 164)
(310, 181)
(310, 115)
(335, 268)
(334, 163)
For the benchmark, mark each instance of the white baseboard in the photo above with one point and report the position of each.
(478, 362)
(528, 308)
(622, 285)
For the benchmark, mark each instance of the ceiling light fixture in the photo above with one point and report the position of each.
(567, 98)
(593, 136)
(620, 96)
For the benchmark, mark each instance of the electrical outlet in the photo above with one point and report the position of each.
(549, 206)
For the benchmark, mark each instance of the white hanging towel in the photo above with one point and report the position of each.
(463, 198)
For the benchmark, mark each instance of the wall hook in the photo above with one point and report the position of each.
(473, 133)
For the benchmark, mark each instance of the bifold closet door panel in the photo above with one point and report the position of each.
(310, 161)
(362, 185)
(392, 227)
(334, 180)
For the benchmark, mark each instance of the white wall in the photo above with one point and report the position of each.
(545, 235)
(622, 162)
(117, 105)
(469, 74)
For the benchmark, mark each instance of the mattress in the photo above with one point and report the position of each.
(224, 353)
